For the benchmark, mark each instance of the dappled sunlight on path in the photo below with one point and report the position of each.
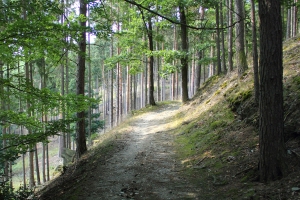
(145, 168)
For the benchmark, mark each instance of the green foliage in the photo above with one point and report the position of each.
(169, 55)
(167, 69)
(23, 193)
(42, 102)
(96, 123)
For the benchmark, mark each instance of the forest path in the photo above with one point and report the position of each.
(145, 167)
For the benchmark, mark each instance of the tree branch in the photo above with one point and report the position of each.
(177, 22)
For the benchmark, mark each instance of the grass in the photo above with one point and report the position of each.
(208, 134)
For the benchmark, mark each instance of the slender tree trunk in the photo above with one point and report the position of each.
(142, 90)
(218, 40)
(151, 63)
(230, 36)
(163, 82)
(38, 179)
(119, 77)
(198, 71)
(135, 92)
(128, 107)
(89, 84)
(118, 91)
(21, 132)
(62, 136)
(184, 59)
(67, 78)
(240, 38)
(254, 52)
(3, 107)
(177, 85)
(80, 126)
(175, 48)
(292, 20)
(212, 64)
(31, 151)
(288, 24)
(24, 166)
(158, 77)
(43, 157)
(111, 88)
(146, 82)
(158, 66)
(222, 39)
(295, 16)
(272, 163)
(192, 80)
(47, 157)
(8, 167)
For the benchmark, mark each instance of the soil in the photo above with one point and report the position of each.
(141, 166)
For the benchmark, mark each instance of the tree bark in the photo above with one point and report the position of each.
(230, 36)
(288, 24)
(198, 71)
(3, 107)
(151, 64)
(184, 58)
(223, 59)
(218, 40)
(254, 52)
(272, 165)
(80, 125)
(38, 179)
(240, 38)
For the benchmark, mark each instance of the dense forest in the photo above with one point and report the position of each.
(72, 69)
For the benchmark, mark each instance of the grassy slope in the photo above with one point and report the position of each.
(217, 135)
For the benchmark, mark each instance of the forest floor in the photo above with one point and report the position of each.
(142, 165)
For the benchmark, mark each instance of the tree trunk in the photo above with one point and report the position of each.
(240, 38)
(135, 92)
(31, 152)
(80, 125)
(151, 64)
(218, 40)
(184, 59)
(119, 79)
(272, 165)
(62, 136)
(89, 86)
(295, 17)
(146, 82)
(212, 64)
(288, 24)
(230, 37)
(198, 71)
(223, 59)
(3, 107)
(193, 75)
(129, 87)
(158, 66)
(38, 179)
(254, 52)
(111, 93)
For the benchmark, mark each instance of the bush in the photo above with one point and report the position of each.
(23, 193)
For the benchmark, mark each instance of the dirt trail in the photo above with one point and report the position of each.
(144, 168)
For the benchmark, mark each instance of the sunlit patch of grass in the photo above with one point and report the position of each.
(150, 108)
